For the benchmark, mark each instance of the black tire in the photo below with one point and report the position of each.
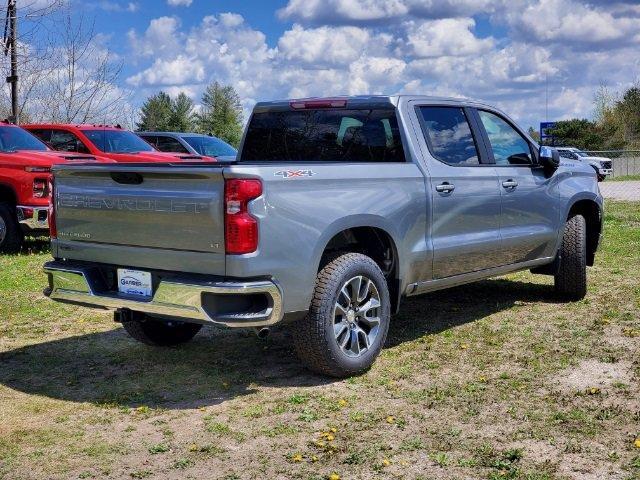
(314, 338)
(162, 333)
(601, 177)
(571, 279)
(13, 236)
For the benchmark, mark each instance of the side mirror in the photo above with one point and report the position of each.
(549, 159)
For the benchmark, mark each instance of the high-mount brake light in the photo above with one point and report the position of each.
(241, 228)
(321, 103)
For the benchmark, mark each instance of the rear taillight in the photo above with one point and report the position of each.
(53, 231)
(241, 228)
(40, 187)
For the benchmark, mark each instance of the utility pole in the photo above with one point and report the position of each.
(10, 44)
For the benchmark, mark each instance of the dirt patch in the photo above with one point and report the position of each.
(592, 373)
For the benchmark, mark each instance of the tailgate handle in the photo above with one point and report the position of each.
(127, 178)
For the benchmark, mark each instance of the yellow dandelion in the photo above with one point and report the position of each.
(202, 409)
(342, 402)
(391, 419)
(386, 462)
(464, 346)
(334, 476)
(193, 447)
(296, 458)
(594, 391)
(333, 429)
(330, 438)
(637, 442)
(320, 444)
(483, 379)
(314, 458)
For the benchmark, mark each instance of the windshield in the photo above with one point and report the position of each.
(13, 139)
(581, 154)
(211, 147)
(117, 141)
(331, 135)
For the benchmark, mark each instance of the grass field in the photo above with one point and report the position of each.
(496, 380)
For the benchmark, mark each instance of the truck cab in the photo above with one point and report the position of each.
(109, 141)
(25, 184)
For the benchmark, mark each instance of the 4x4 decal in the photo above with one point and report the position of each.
(294, 173)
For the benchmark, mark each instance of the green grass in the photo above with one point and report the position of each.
(495, 380)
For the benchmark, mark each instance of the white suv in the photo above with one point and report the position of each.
(603, 166)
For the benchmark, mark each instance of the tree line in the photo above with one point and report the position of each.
(220, 113)
(615, 126)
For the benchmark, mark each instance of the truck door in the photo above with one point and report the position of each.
(465, 230)
(530, 214)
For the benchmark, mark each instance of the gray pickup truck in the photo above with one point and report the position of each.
(334, 210)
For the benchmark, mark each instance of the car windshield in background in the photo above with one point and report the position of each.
(581, 154)
(13, 139)
(117, 141)
(323, 135)
(211, 147)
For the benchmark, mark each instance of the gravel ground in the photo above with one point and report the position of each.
(629, 191)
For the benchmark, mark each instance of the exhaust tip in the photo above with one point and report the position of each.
(263, 332)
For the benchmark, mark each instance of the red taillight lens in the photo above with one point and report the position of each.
(53, 231)
(40, 187)
(241, 228)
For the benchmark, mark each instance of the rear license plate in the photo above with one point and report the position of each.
(134, 282)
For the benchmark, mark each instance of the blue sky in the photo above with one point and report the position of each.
(506, 52)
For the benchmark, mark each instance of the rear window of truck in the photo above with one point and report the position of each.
(323, 135)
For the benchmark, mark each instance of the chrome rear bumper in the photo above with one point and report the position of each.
(178, 297)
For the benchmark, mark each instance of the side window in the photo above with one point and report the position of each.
(168, 144)
(449, 135)
(567, 154)
(66, 142)
(508, 146)
(150, 139)
(42, 134)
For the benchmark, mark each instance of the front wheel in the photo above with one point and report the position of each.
(571, 279)
(348, 320)
(164, 333)
(11, 236)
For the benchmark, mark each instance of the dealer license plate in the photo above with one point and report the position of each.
(134, 282)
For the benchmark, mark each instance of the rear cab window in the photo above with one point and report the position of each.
(324, 135)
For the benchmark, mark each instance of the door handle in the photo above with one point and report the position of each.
(510, 184)
(445, 187)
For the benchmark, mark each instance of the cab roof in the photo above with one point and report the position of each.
(81, 126)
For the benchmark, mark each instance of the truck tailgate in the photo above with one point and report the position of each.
(111, 210)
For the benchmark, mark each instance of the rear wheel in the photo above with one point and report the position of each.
(11, 237)
(348, 320)
(601, 177)
(571, 279)
(164, 333)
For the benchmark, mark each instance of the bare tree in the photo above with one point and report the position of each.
(66, 73)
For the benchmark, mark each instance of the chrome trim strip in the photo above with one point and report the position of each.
(32, 222)
(172, 298)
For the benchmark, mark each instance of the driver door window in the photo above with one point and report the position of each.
(507, 145)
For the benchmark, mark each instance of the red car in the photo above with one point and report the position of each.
(110, 141)
(25, 175)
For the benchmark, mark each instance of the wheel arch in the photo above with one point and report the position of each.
(8, 194)
(593, 214)
(372, 237)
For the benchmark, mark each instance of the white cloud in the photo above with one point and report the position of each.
(367, 46)
(328, 45)
(446, 37)
(376, 11)
(179, 3)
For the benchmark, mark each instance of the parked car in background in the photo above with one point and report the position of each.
(193, 143)
(334, 210)
(602, 165)
(110, 141)
(25, 175)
